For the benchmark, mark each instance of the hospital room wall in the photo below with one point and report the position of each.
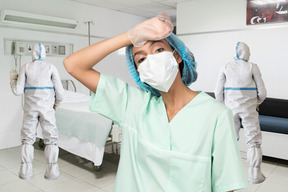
(211, 30)
(11, 113)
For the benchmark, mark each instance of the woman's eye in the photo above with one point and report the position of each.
(141, 60)
(159, 50)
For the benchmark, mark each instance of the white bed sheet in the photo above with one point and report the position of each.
(81, 132)
(72, 97)
(83, 149)
(76, 120)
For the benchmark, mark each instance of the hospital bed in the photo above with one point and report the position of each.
(82, 132)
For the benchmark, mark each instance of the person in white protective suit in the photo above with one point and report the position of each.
(42, 88)
(241, 88)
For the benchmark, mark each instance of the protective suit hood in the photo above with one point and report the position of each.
(242, 52)
(38, 52)
(189, 73)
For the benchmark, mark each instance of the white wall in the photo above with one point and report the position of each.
(107, 23)
(210, 15)
(211, 30)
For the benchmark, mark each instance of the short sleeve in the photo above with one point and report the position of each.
(115, 99)
(227, 167)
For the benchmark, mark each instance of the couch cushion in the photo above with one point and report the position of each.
(274, 107)
(273, 124)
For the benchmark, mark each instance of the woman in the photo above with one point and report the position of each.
(174, 139)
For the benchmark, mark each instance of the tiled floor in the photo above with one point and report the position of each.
(78, 175)
(276, 172)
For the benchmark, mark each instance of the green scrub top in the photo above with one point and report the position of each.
(195, 152)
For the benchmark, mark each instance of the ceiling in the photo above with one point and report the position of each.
(144, 8)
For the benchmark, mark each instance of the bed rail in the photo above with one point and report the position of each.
(67, 83)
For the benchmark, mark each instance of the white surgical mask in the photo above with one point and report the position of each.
(159, 70)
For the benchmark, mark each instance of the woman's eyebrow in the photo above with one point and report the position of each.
(151, 44)
(138, 52)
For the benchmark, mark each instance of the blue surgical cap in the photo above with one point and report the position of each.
(189, 73)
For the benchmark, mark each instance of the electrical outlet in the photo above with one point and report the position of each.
(20, 48)
(61, 50)
(54, 49)
(29, 48)
(47, 49)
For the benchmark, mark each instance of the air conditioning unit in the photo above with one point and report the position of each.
(30, 19)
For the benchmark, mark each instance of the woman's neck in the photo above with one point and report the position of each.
(176, 98)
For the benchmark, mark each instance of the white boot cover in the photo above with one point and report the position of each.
(254, 158)
(51, 155)
(27, 155)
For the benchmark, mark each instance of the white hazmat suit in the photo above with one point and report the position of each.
(241, 88)
(42, 88)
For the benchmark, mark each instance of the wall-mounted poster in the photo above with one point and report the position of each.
(266, 11)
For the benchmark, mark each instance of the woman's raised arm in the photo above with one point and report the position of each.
(80, 63)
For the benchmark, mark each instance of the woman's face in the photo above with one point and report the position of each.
(150, 48)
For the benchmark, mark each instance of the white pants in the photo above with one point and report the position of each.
(250, 122)
(34, 114)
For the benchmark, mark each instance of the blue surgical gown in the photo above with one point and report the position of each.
(195, 152)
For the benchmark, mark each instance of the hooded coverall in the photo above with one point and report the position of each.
(241, 88)
(42, 88)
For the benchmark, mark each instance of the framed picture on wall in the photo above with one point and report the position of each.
(266, 11)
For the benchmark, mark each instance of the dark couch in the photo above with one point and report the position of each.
(273, 115)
